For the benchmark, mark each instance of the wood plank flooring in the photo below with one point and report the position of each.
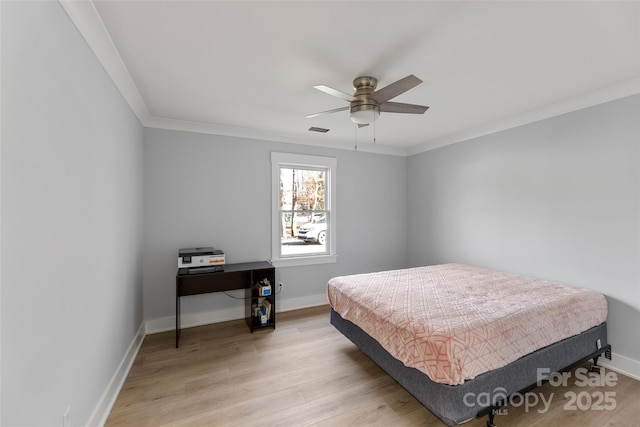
(305, 373)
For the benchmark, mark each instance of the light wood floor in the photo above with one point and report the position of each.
(305, 373)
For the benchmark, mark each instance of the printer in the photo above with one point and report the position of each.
(196, 258)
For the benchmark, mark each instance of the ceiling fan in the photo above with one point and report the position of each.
(366, 104)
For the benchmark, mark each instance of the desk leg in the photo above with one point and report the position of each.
(177, 319)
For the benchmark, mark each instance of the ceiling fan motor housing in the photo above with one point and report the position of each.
(364, 109)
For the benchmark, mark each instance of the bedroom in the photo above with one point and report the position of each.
(75, 318)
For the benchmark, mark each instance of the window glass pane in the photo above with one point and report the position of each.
(308, 236)
(302, 189)
(303, 218)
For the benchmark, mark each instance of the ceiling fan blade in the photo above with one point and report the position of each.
(335, 92)
(335, 110)
(396, 88)
(399, 107)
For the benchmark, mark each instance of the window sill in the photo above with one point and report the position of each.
(304, 260)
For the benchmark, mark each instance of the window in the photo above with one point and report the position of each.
(303, 209)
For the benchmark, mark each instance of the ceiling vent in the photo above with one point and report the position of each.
(316, 129)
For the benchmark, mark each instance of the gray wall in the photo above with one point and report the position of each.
(71, 188)
(208, 190)
(556, 199)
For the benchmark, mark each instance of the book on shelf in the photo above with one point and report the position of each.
(267, 308)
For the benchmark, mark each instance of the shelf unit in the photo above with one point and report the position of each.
(234, 276)
(253, 299)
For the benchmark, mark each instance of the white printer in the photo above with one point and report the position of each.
(201, 257)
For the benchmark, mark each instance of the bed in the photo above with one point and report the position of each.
(462, 339)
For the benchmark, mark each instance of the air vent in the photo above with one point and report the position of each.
(316, 129)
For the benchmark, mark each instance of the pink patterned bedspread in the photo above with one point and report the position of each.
(454, 321)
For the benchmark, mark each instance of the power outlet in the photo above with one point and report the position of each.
(66, 418)
(280, 286)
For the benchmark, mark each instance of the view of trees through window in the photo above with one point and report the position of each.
(303, 211)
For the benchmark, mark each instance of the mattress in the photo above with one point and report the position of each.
(454, 322)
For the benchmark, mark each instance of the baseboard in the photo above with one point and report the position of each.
(291, 304)
(189, 320)
(101, 412)
(623, 365)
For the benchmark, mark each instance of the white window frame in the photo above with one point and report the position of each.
(302, 161)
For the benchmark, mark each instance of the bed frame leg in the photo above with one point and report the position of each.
(607, 354)
(595, 368)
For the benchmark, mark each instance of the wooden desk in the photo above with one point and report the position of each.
(234, 276)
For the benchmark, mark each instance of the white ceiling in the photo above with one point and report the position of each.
(247, 68)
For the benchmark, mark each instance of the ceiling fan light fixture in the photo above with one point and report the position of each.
(364, 114)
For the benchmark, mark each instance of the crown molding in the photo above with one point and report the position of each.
(244, 132)
(609, 93)
(86, 19)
